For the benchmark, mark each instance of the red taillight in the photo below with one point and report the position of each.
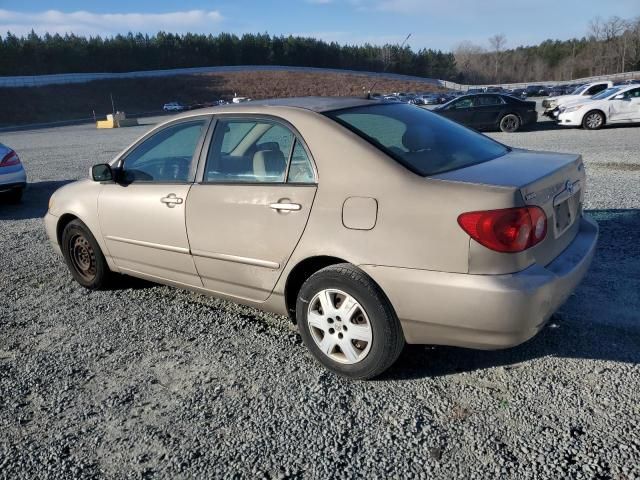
(506, 230)
(10, 159)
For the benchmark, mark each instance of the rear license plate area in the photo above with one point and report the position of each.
(565, 214)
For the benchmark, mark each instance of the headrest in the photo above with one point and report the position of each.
(416, 139)
(268, 164)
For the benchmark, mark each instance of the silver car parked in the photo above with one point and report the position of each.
(13, 178)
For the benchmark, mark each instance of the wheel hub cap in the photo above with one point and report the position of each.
(593, 120)
(83, 257)
(339, 326)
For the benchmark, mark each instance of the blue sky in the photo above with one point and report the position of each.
(440, 24)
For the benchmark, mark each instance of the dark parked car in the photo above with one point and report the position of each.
(559, 90)
(519, 93)
(537, 91)
(490, 111)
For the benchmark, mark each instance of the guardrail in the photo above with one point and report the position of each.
(67, 78)
(614, 77)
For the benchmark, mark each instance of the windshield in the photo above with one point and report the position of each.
(579, 90)
(606, 93)
(422, 141)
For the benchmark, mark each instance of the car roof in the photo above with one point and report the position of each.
(262, 107)
(316, 104)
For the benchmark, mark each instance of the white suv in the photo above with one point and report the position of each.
(552, 104)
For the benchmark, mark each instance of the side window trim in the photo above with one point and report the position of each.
(195, 159)
(207, 139)
(290, 158)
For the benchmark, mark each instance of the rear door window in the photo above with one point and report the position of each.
(487, 101)
(256, 151)
(597, 89)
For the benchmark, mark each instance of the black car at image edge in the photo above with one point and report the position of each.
(490, 111)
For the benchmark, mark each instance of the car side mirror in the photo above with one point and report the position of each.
(620, 96)
(102, 173)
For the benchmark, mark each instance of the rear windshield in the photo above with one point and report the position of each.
(422, 141)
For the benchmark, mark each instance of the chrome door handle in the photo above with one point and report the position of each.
(286, 206)
(171, 200)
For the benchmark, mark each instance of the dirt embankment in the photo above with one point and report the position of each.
(137, 95)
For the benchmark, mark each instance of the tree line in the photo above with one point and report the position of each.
(34, 54)
(610, 46)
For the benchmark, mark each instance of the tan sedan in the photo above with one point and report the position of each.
(370, 224)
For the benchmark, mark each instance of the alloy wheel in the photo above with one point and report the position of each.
(339, 326)
(510, 123)
(593, 120)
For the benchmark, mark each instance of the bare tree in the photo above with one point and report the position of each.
(470, 61)
(498, 43)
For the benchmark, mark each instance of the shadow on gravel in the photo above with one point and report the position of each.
(35, 201)
(601, 321)
(544, 126)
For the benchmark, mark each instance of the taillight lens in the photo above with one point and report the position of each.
(506, 230)
(10, 159)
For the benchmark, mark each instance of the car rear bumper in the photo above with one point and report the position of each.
(13, 177)
(485, 311)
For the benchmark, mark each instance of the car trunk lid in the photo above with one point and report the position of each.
(552, 181)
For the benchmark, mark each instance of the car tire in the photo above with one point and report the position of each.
(361, 343)
(593, 120)
(510, 123)
(84, 256)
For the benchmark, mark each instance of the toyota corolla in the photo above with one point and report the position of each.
(371, 224)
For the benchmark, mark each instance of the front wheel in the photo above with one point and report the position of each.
(593, 120)
(510, 123)
(84, 257)
(347, 322)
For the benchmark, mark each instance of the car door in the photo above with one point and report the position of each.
(487, 110)
(142, 213)
(247, 213)
(460, 111)
(627, 108)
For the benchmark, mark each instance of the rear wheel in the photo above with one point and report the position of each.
(593, 120)
(510, 123)
(83, 256)
(347, 322)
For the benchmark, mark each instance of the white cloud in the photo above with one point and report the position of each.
(88, 23)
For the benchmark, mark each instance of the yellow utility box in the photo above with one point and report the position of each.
(117, 120)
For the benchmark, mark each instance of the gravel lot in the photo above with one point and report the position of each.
(148, 381)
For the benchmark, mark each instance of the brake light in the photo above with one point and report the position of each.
(506, 230)
(10, 159)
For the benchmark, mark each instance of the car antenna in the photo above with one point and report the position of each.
(385, 69)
